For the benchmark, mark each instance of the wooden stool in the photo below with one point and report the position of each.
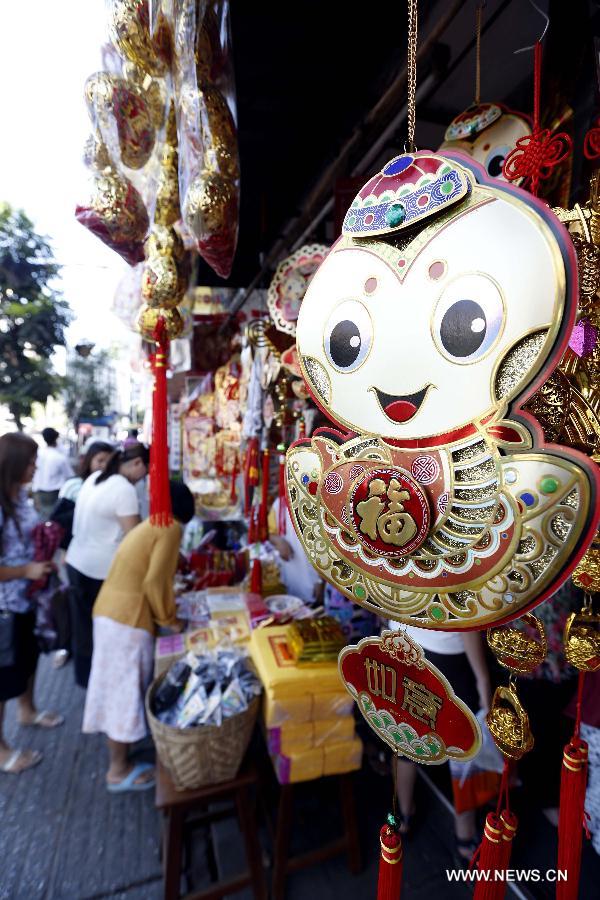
(283, 864)
(177, 804)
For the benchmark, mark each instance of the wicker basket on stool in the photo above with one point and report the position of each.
(201, 755)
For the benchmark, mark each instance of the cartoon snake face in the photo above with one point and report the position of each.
(411, 340)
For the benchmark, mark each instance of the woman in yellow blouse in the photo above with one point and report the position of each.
(135, 599)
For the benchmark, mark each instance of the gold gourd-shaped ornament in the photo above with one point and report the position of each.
(164, 280)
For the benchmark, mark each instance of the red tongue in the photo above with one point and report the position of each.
(400, 410)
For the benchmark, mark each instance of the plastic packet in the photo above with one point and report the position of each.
(233, 700)
(212, 713)
(193, 710)
(209, 174)
(171, 687)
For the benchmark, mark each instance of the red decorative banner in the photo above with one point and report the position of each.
(406, 701)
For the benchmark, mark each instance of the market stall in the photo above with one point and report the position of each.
(390, 431)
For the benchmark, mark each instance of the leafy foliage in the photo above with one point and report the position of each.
(33, 315)
(86, 389)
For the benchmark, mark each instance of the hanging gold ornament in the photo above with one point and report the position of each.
(109, 97)
(153, 89)
(582, 639)
(129, 27)
(218, 133)
(95, 153)
(515, 649)
(587, 573)
(508, 723)
(208, 203)
(148, 320)
(115, 213)
(161, 284)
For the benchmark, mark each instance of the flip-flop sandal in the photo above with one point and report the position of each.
(38, 722)
(129, 782)
(10, 765)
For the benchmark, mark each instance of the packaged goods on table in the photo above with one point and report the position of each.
(204, 690)
(308, 720)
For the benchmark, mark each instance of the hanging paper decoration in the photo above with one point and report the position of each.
(441, 507)
(289, 285)
(407, 701)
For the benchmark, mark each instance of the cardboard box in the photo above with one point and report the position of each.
(343, 757)
(278, 671)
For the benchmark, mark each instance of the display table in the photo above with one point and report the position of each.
(176, 805)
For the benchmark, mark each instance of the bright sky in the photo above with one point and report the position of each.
(47, 50)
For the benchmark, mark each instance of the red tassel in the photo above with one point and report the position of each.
(234, 475)
(282, 493)
(256, 577)
(571, 820)
(250, 473)
(263, 512)
(493, 854)
(160, 495)
(389, 883)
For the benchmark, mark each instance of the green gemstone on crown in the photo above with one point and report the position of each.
(395, 215)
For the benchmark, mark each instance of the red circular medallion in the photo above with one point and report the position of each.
(390, 512)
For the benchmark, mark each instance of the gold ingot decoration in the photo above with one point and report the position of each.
(509, 723)
(582, 639)
(515, 649)
(95, 153)
(208, 202)
(147, 322)
(129, 28)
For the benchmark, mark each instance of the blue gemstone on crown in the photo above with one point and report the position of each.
(398, 165)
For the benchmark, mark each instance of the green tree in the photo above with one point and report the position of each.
(33, 315)
(86, 392)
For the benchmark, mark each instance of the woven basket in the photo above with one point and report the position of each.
(204, 755)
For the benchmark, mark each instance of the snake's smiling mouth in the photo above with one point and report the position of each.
(401, 408)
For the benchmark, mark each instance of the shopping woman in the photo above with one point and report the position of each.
(136, 599)
(94, 459)
(18, 647)
(107, 508)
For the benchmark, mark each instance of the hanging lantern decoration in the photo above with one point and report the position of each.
(131, 34)
(120, 106)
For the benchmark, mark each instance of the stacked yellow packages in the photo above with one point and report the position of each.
(307, 713)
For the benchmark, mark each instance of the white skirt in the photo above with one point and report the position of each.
(122, 665)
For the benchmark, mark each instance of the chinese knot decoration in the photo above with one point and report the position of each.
(537, 154)
(407, 701)
(433, 499)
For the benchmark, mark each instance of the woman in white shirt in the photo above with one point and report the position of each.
(107, 508)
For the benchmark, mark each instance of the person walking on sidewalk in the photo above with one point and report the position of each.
(52, 471)
(18, 645)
